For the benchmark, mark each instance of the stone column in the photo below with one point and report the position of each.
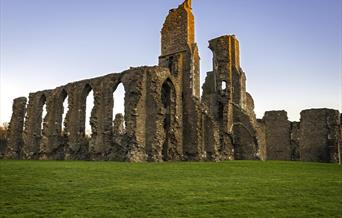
(101, 119)
(33, 132)
(15, 130)
(52, 145)
(77, 144)
(135, 114)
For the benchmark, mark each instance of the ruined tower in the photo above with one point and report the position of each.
(179, 53)
(229, 105)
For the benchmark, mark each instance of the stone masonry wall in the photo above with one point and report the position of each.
(244, 136)
(315, 138)
(261, 138)
(277, 127)
(44, 139)
(319, 135)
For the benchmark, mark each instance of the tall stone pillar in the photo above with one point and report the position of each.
(16, 126)
(77, 144)
(33, 132)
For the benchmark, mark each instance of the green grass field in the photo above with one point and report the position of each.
(182, 189)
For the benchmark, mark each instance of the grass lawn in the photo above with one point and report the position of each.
(181, 189)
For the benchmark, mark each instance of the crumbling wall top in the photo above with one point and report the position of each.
(226, 49)
(178, 32)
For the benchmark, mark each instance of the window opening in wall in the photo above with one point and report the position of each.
(88, 111)
(65, 108)
(43, 113)
(119, 107)
(224, 86)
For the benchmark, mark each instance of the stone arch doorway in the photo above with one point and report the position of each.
(168, 98)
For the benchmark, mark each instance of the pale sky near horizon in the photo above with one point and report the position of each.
(291, 50)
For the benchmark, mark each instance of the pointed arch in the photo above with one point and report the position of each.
(168, 99)
(119, 94)
(42, 112)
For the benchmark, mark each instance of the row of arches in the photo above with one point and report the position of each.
(89, 98)
(72, 121)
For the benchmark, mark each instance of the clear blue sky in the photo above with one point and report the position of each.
(290, 49)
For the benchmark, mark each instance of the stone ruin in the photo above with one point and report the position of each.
(165, 117)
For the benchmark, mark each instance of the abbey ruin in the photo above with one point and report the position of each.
(166, 118)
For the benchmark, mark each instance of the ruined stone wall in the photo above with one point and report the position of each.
(319, 135)
(153, 130)
(174, 40)
(77, 147)
(44, 139)
(224, 93)
(277, 127)
(211, 137)
(261, 138)
(244, 136)
(163, 123)
(314, 138)
(249, 107)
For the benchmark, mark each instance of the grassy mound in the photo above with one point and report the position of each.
(182, 189)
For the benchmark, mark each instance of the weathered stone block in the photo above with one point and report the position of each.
(319, 134)
(277, 128)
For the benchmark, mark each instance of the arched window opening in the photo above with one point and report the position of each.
(119, 109)
(224, 86)
(65, 109)
(168, 100)
(42, 104)
(88, 110)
